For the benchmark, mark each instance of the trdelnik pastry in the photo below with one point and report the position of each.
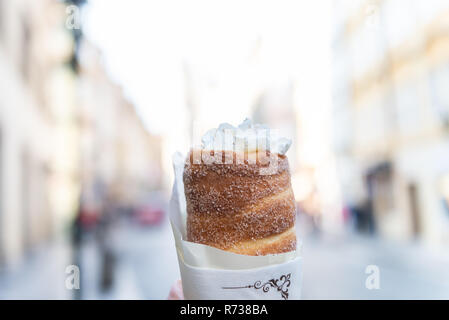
(238, 191)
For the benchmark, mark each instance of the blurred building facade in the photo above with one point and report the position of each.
(391, 109)
(64, 127)
(116, 150)
(38, 171)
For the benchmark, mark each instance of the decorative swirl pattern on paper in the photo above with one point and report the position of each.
(281, 285)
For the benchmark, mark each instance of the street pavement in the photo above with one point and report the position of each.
(39, 275)
(334, 267)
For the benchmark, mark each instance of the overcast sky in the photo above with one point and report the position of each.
(145, 44)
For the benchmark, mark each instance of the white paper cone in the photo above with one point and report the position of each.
(211, 273)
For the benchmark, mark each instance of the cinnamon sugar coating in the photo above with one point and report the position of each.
(231, 204)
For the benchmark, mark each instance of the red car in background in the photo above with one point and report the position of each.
(151, 212)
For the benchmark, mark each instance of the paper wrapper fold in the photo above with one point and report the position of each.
(211, 273)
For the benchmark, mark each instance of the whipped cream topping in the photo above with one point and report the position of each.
(247, 137)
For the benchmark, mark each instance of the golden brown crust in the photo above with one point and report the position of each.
(233, 207)
(278, 243)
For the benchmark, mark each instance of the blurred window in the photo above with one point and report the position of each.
(408, 108)
(414, 208)
(444, 193)
(439, 82)
(26, 37)
(1, 19)
(26, 197)
(380, 186)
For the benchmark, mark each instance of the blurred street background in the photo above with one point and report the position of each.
(96, 96)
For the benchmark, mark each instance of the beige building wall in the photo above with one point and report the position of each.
(388, 87)
(28, 125)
